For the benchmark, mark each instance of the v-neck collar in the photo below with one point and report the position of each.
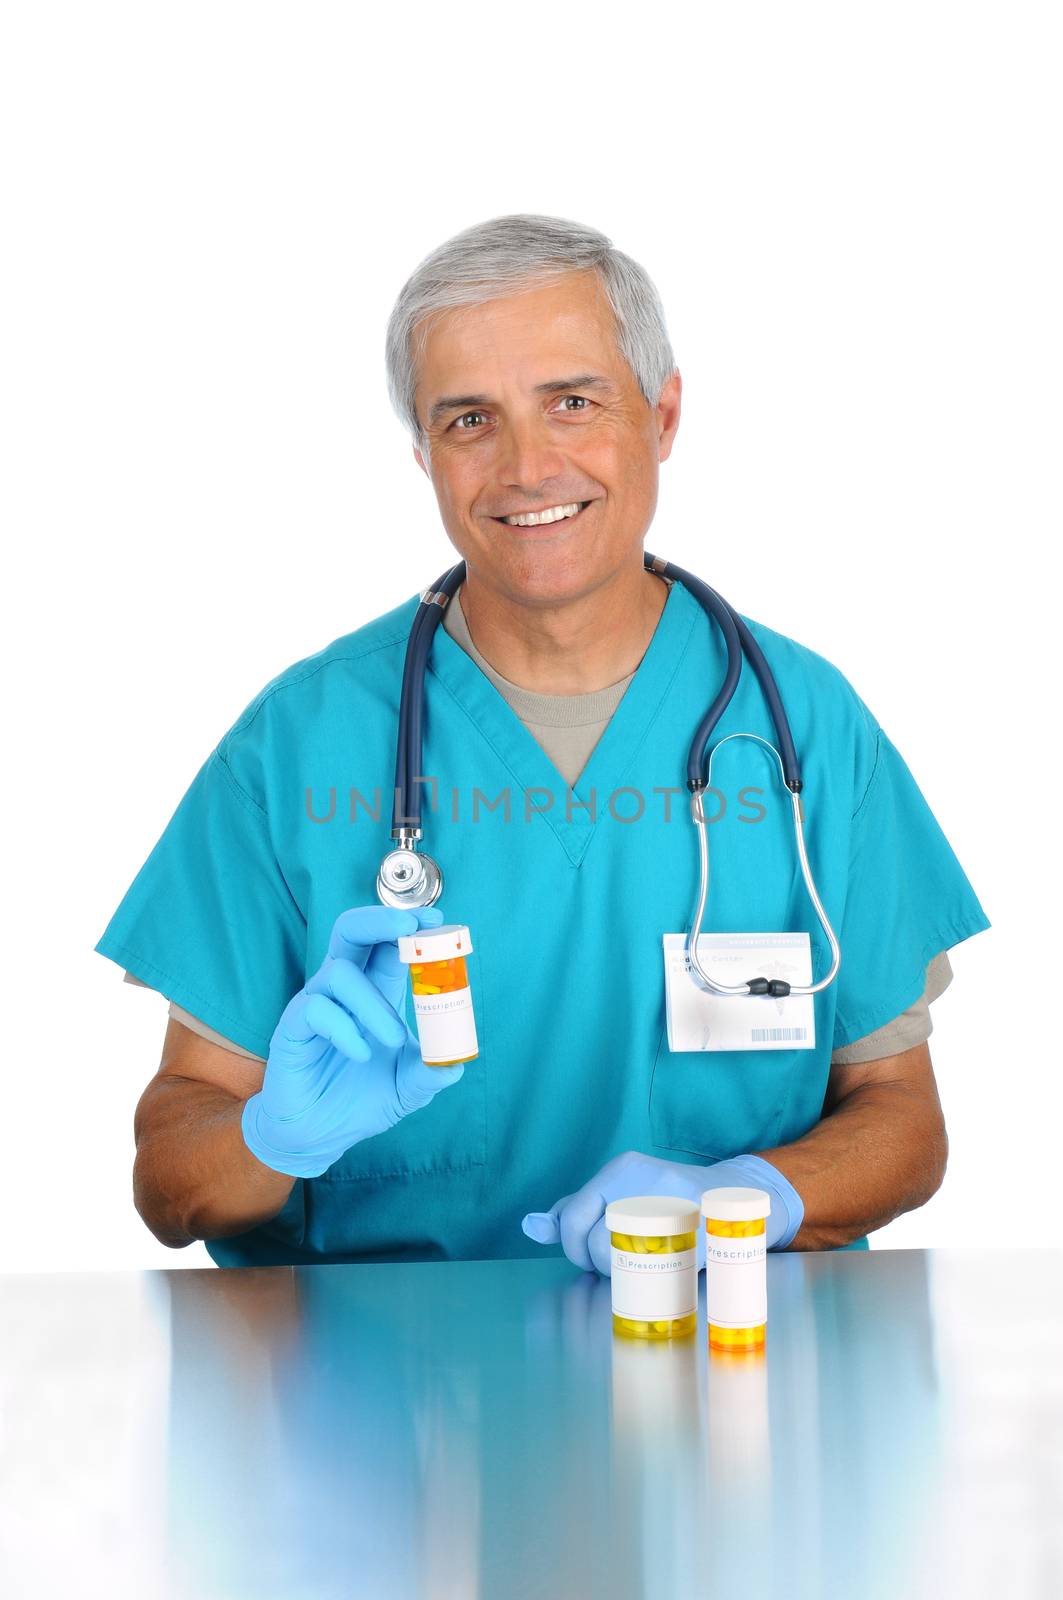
(615, 752)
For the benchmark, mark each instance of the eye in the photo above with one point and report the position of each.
(463, 426)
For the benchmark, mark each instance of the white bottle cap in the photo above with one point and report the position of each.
(735, 1205)
(652, 1215)
(435, 944)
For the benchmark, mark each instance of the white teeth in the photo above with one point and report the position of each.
(532, 519)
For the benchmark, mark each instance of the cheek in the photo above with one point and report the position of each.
(631, 480)
(621, 458)
(456, 486)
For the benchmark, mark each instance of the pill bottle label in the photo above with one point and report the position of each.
(736, 1290)
(446, 1026)
(653, 1287)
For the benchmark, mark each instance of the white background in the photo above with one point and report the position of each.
(852, 216)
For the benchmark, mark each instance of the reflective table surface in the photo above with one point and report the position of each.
(471, 1429)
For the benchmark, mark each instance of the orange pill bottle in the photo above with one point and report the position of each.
(442, 998)
(736, 1276)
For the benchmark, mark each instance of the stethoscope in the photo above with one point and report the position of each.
(409, 878)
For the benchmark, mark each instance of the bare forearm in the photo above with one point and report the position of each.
(194, 1177)
(881, 1152)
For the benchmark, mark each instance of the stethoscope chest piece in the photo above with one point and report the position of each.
(407, 878)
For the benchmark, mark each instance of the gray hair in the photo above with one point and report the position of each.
(504, 256)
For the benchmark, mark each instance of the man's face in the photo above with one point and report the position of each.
(528, 405)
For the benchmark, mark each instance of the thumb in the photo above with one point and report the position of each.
(416, 1083)
(545, 1226)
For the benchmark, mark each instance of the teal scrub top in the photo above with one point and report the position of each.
(566, 904)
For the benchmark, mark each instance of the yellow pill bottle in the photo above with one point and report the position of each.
(442, 998)
(736, 1275)
(654, 1266)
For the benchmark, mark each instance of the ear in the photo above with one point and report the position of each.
(668, 409)
(419, 458)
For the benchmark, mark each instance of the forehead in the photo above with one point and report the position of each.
(568, 320)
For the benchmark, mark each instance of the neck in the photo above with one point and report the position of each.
(576, 646)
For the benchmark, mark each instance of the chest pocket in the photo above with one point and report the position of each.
(719, 1103)
(448, 1135)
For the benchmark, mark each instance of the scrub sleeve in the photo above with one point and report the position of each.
(209, 919)
(906, 899)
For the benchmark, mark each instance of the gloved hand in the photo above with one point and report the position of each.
(577, 1222)
(342, 1063)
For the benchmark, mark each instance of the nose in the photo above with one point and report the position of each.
(528, 459)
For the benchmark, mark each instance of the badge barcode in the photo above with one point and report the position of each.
(774, 1035)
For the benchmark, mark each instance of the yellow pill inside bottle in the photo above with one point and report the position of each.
(653, 1266)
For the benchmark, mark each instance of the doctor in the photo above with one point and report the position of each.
(290, 1119)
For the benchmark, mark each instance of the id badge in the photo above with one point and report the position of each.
(698, 1020)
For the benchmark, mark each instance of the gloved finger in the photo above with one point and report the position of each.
(348, 985)
(330, 1021)
(542, 1226)
(416, 1083)
(296, 1043)
(357, 930)
(600, 1249)
(389, 974)
(292, 1027)
(545, 1226)
(578, 1217)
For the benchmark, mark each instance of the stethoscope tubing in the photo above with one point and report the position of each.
(738, 641)
(406, 814)
(737, 638)
(698, 973)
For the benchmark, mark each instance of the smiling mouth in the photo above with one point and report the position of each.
(546, 517)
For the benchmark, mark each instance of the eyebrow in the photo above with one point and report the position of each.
(462, 402)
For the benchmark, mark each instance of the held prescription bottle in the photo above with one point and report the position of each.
(654, 1271)
(736, 1277)
(442, 999)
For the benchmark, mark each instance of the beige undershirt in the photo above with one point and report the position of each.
(568, 726)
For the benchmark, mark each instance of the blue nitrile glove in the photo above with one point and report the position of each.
(577, 1222)
(342, 1063)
